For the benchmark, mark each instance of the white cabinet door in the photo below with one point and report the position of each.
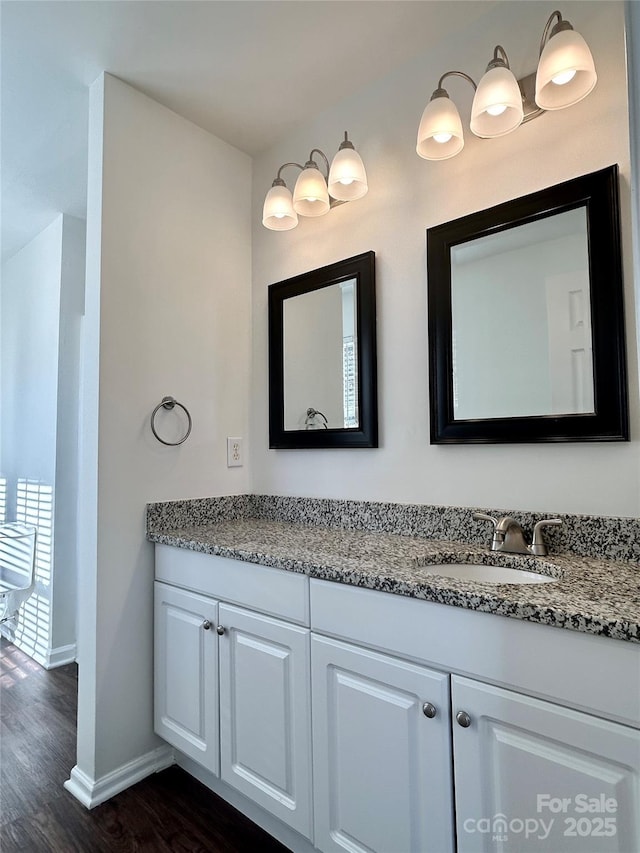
(265, 714)
(382, 768)
(186, 673)
(534, 776)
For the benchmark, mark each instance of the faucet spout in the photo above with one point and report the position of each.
(505, 523)
(509, 536)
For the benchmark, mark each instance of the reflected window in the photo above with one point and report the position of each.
(349, 355)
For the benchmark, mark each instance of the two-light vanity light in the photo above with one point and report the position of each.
(315, 193)
(566, 74)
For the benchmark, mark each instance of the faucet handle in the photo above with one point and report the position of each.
(482, 516)
(538, 545)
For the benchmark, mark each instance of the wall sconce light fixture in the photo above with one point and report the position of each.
(315, 193)
(566, 74)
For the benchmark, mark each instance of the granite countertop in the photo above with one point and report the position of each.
(593, 596)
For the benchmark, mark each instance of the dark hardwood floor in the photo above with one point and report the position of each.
(169, 811)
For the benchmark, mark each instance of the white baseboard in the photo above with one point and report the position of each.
(91, 792)
(47, 657)
(60, 656)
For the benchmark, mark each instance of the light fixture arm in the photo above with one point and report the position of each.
(278, 182)
(346, 143)
(311, 162)
(454, 74)
(551, 29)
(499, 61)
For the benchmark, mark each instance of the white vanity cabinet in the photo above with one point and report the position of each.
(534, 776)
(381, 745)
(518, 760)
(347, 719)
(232, 684)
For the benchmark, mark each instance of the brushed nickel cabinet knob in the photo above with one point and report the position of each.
(463, 719)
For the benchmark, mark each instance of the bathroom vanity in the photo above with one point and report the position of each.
(322, 682)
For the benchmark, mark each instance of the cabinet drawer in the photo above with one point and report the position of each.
(590, 673)
(272, 591)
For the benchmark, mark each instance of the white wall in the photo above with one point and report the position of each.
(42, 303)
(406, 196)
(168, 312)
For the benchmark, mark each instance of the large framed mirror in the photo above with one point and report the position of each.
(322, 357)
(526, 320)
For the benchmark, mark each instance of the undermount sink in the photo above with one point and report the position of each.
(490, 574)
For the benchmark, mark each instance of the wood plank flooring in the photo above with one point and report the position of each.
(169, 811)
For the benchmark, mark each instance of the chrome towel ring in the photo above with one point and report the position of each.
(169, 403)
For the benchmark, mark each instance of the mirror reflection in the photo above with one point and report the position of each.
(320, 359)
(521, 321)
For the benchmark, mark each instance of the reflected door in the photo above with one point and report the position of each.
(570, 350)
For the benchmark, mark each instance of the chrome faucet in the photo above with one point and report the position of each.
(508, 535)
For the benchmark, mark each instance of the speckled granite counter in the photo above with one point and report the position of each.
(590, 595)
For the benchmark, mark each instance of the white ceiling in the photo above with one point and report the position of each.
(246, 70)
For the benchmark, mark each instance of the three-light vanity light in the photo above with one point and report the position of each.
(566, 74)
(315, 193)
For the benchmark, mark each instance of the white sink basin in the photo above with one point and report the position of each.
(490, 574)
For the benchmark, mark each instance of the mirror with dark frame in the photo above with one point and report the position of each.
(526, 319)
(322, 357)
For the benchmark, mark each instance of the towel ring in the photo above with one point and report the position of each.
(169, 403)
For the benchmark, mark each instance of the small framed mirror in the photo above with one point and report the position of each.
(526, 320)
(322, 357)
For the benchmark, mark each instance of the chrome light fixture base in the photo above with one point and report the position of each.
(527, 87)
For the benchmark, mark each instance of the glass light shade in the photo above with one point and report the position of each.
(497, 104)
(565, 52)
(347, 177)
(440, 131)
(278, 213)
(310, 195)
